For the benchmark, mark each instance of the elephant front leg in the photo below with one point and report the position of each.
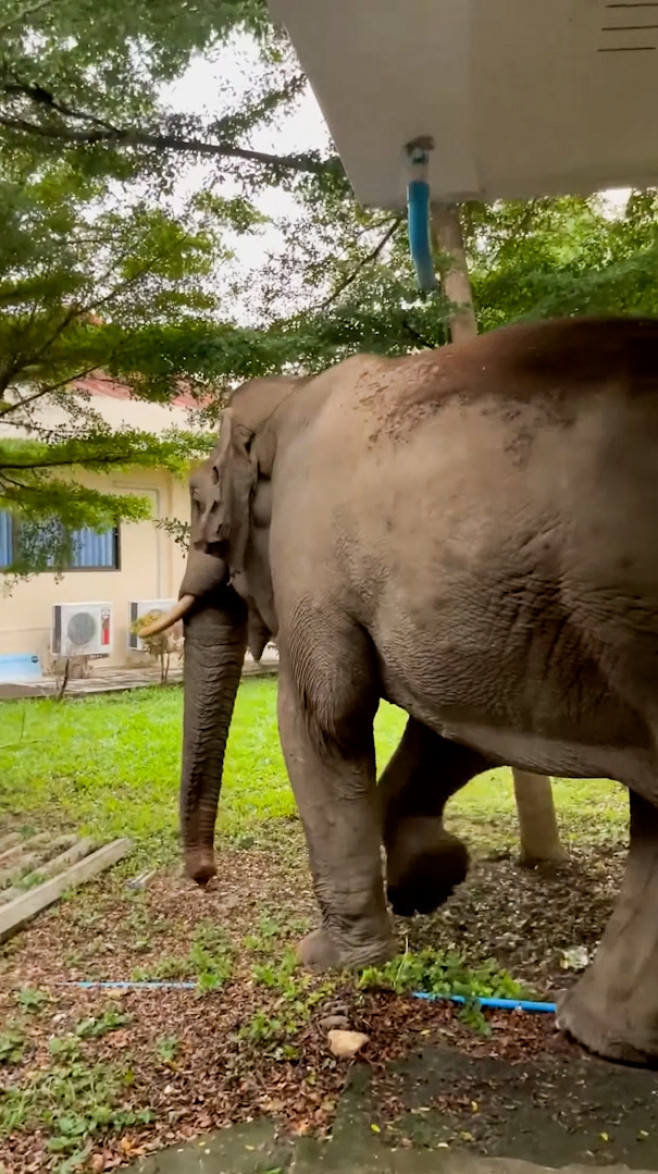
(424, 862)
(613, 1009)
(336, 794)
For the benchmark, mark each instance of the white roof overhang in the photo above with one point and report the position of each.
(522, 98)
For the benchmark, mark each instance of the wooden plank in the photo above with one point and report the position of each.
(12, 853)
(77, 851)
(21, 866)
(9, 841)
(20, 861)
(15, 915)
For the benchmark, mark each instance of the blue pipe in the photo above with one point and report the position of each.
(134, 986)
(501, 1004)
(418, 204)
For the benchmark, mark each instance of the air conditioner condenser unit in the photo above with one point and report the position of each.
(144, 607)
(82, 629)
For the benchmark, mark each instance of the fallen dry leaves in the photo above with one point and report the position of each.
(191, 1060)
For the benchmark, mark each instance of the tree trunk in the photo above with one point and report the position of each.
(540, 838)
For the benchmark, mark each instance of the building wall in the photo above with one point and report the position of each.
(151, 567)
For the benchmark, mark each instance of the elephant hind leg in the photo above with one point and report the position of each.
(613, 1009)
(425, 863)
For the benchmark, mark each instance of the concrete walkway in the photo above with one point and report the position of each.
(577, 1115)
(120, 680)
(217, 1157)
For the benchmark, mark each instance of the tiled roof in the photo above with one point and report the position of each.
(104, 385)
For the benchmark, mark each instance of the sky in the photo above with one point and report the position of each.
(201, 91)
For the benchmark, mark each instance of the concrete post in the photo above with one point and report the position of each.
(539, 834)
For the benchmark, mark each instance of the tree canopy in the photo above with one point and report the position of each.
(103, 264)
(125, 214)
(88, 84)
(353, 288)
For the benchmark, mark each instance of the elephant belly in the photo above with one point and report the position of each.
(531, 699)
(573, 751)
(554, 756)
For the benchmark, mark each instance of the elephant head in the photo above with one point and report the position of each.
(225, 598)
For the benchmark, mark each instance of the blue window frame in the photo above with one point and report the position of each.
(91, 550)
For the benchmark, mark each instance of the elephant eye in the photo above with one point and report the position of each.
(214, 475)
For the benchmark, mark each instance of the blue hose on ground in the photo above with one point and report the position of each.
(500, 1004)
(133, 986)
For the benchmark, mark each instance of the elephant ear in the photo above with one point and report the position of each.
(225, 523)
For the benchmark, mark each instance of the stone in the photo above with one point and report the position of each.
(335, 1023)
(346, 1044)
(250, 1148)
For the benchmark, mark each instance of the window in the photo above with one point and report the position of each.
(91, 550)
(95, 551)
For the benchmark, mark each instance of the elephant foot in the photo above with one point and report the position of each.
(617, 1037)
(613, 1009)
(200, 865)
(424, 865)
(321, 951)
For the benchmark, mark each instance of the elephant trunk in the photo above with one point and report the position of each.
(215, 645)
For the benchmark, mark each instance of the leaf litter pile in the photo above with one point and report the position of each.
(91, 1079)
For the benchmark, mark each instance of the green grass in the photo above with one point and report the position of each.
(108, 766)
(439, 973)
(209, 961)
(71, 1100)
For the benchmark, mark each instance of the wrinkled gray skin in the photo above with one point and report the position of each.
(471, 534)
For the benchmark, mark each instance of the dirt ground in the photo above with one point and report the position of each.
(150, 1068)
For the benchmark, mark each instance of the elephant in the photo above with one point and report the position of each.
(468, 533)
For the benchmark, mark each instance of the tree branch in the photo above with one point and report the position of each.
(20, 362)
(14, 367)
(11, 481)
(262, 109)
(413, 333)
(371, 256)
(121, 136)
(93, 460)
(43, 97)
(31, 10)
(18, 404)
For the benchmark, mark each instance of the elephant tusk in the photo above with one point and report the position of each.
(167, 621)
